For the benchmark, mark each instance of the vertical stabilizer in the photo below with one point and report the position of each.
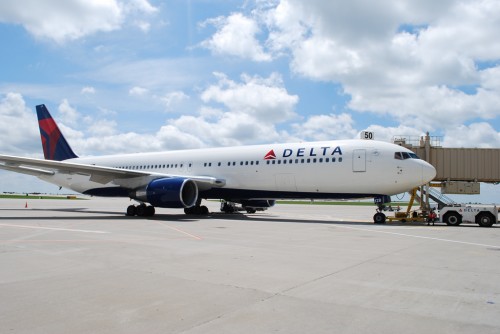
(55, 146)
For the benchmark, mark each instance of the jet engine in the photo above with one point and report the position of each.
(169, 193)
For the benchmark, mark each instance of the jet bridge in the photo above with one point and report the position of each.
(459, 170)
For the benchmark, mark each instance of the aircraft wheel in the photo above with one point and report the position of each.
(251, 210)
(131, 210)
(379, 218)
(204, 210)
(196, 210)
(141, 210)
(150, 211)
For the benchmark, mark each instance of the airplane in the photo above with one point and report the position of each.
(253, 176)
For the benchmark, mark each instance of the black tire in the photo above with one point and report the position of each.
(452, 218)
(485, 219)
(251, 210)
(379, 218)
(131, 210)
(150, 211)
(226, 208)
(141, 210)
(204, 210)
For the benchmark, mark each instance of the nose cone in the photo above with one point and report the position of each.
(428, 172)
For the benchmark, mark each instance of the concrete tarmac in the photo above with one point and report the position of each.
(71, 266)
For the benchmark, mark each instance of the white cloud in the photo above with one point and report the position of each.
(172, 99)
(88, 90)
(139, 5)
(236, 36)
(475, 135)
(69, 115)
(144, 26)
(265, 99)
(18, 127)
(63, 21)
(102, 128)
(137, 91)
(408, 61)
(326, 127)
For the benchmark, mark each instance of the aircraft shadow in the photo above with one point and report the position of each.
(110, 215)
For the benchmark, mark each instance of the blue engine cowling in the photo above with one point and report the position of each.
(169, 193)
(257, 203)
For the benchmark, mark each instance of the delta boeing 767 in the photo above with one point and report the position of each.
(253, 176)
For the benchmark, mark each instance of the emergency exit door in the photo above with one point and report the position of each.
(359, 161)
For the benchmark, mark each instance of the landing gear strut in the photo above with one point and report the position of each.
(380, 201)
(141, 210)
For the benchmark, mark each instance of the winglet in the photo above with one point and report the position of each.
(55, 146)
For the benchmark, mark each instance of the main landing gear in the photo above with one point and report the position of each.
(141, 210)
(197, 210)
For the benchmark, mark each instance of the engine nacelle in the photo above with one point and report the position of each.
(169, 193)
(257, 203)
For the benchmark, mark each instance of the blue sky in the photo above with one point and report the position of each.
(138, 75)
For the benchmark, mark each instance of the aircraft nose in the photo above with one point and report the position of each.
(428, 172)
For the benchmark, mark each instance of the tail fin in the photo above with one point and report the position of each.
(55, 146)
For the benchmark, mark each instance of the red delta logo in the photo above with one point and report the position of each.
(270, 155)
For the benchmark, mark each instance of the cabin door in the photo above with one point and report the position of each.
(359, 161)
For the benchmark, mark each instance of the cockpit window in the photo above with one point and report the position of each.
(405, 155)
(414, 156)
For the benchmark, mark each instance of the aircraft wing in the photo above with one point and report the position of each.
(99, 174)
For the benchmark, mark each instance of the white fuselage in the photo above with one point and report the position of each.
(330, 169)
